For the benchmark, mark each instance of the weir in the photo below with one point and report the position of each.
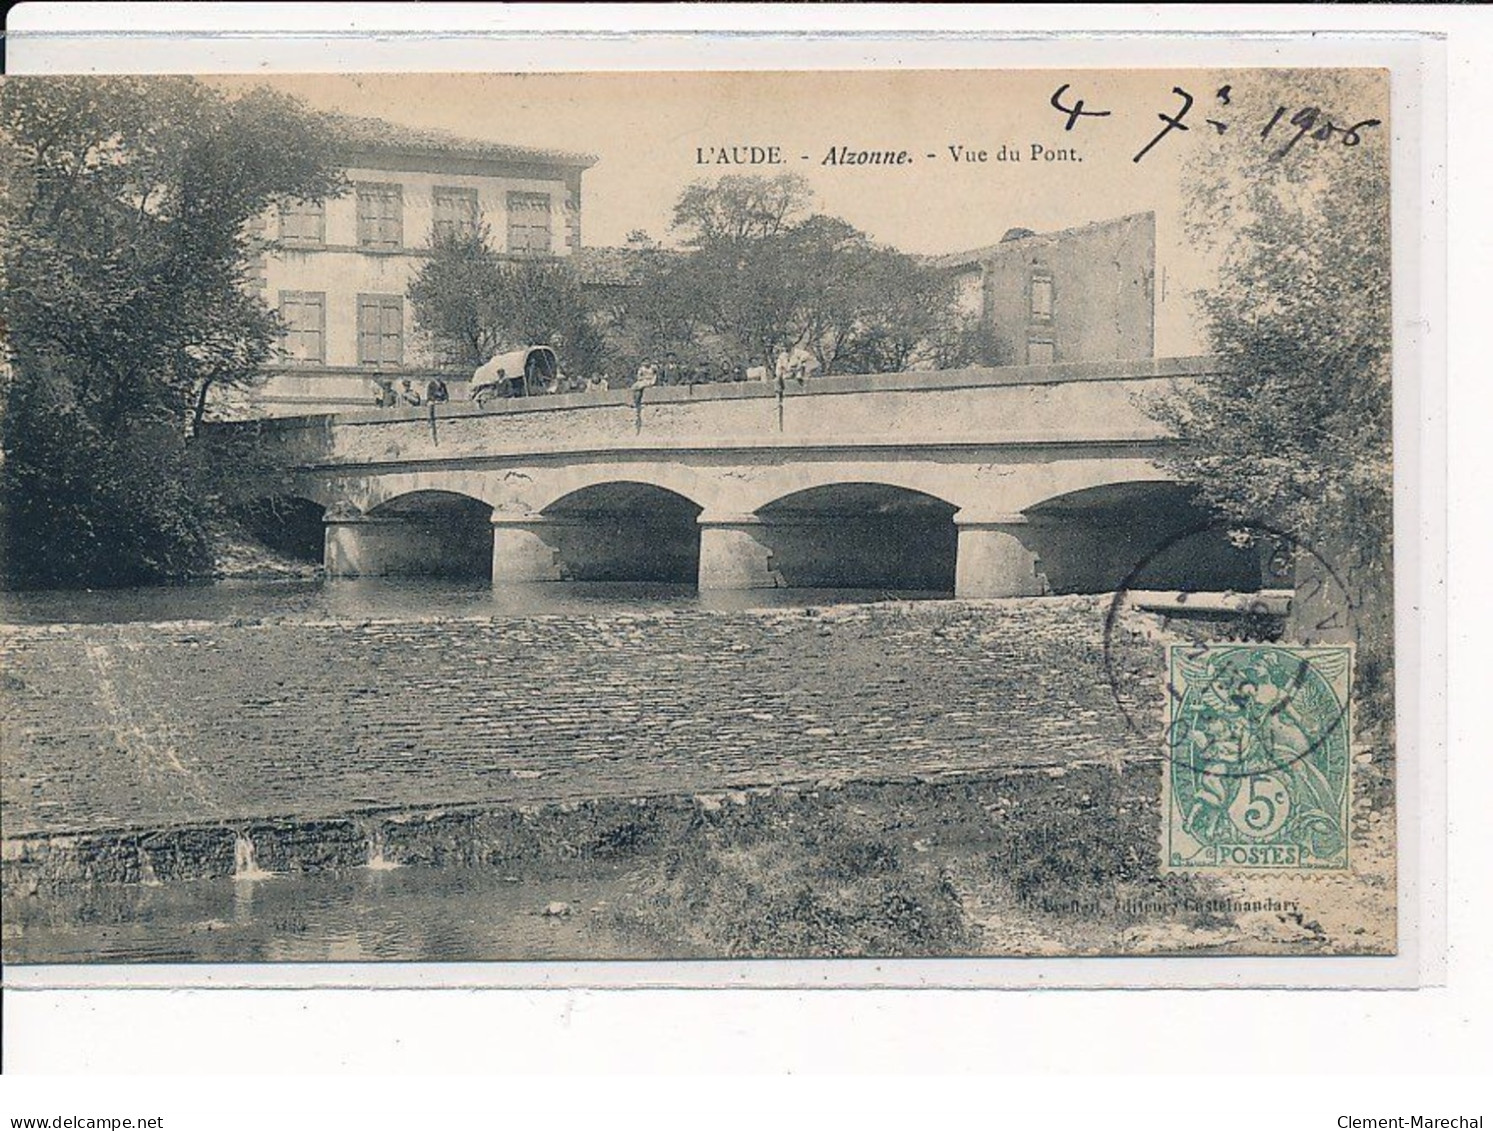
(377, 861)
(245, 866)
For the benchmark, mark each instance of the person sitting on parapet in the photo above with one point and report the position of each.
(647, 378)
(796, 364)
(436, 391)
(408, 395)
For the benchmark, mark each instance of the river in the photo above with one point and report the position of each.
(411, 914)
(397, 599)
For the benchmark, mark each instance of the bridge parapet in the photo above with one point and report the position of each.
(1043, 405)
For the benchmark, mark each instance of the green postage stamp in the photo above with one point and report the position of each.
(1258, 757)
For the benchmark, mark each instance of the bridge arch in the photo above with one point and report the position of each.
(1039, 483)
(1143, 534)
(855, 535)
(702, 487)
(289, 524)
(426, 532)
(620, 530)
(953, 484)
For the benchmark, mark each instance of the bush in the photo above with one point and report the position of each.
(82, 508)
(765, 884)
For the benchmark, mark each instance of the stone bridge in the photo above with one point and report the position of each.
(985, 482)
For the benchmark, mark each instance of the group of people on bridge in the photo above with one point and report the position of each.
(536, 372)
(407, 396)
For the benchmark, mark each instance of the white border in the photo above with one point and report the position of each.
(1419, 264)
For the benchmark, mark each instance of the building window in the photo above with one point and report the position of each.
(1042, 298)
(1040, 351)
(305, 316)
(455, 212)
(380, 330)
(380, 216)
(529, 223)
(303, 222)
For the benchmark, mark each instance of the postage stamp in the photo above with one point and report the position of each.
(1258, 757)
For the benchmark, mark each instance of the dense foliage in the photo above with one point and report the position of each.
(471, 303)
(762, 274)
(1294, 431)
(125, 212)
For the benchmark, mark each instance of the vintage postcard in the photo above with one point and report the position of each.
(457, 518)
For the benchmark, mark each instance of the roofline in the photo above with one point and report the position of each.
(973, 257)
(498, 154)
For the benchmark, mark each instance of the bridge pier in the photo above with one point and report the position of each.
(733, 553)
(523, 549)
(360, 546)
(995, 558)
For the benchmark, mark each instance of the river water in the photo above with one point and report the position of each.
(412, 914)
(400, 598)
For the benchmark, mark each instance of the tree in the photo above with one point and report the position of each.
(1293, 431)
(737, 209)
(904, 312)
(763, 274)
(963, 340)
(827, 285)
(126, 218)
(662, 314)
(457, 299)
(471, 303)
(742, 279)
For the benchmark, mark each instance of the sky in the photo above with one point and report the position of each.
(648, 129)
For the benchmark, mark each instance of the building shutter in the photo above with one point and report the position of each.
(455, 212)
(380, 330)
(529, 230)
(380, 216)
(305, 317)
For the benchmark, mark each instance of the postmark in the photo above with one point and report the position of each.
(1258, 759)
(1254, 617)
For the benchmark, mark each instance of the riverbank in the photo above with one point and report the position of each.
(863, 869)
(239, 556)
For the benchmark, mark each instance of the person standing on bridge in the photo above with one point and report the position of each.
(435, 393)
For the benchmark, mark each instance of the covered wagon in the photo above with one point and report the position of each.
(517, 373)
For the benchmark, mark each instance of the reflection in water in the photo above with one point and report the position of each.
(414, 913)
(394, 598)
(243, 899)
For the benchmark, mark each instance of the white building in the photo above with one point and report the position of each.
(338, 270)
